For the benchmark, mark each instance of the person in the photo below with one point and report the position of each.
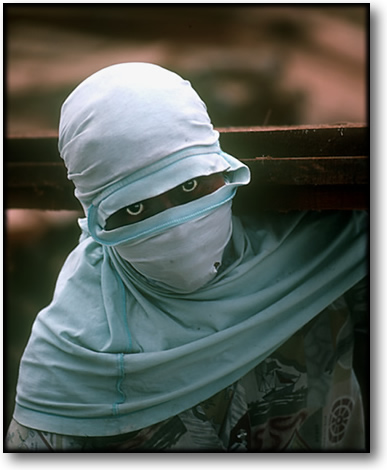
(175, 324)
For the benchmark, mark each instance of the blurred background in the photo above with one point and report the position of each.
(253, 65)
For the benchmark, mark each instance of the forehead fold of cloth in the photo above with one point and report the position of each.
(126, 118)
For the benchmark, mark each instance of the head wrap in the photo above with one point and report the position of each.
(113, 352)
(131, 132)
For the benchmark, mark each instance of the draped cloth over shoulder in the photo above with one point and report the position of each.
(115, 352)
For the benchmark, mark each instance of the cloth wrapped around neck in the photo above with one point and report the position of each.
(114, 352)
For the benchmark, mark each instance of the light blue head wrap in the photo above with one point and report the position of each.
(114, 353)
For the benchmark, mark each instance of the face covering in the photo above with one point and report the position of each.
(186, 257)
(132, 132)
(113, 353)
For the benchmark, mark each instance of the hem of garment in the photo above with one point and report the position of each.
(120, 423)
(81, 427)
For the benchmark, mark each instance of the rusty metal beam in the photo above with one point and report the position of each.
(298, 167)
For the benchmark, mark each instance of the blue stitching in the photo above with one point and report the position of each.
(121, 371)
(125, 313)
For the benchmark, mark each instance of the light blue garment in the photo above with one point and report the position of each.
(136, 124)
(236, 173)
(115, 352)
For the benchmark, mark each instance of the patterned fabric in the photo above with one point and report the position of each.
(303, 397)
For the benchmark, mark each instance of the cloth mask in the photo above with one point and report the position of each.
(115, 352)
(186, 257)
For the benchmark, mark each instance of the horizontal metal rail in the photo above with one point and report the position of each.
(293, 168)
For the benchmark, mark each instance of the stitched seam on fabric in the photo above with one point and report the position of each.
(121, 376)
(60, 415)
(124, 313)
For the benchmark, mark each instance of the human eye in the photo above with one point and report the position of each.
(189, 186)
(135, 209)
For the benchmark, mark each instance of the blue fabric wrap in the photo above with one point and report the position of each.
(118, 195)
(113, 353)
